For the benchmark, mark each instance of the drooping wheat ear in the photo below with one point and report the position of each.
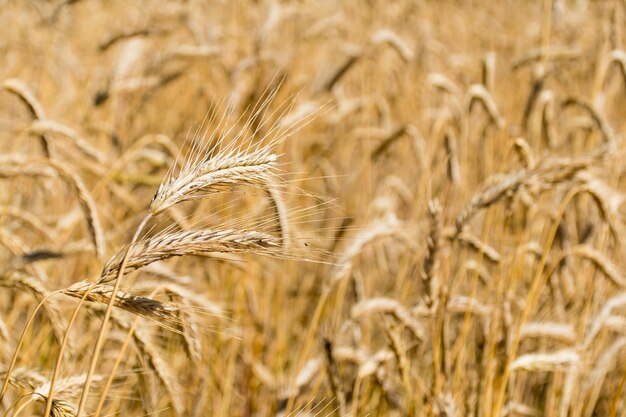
(389, 306)
(190, 242)
(19, 89)
(433, 242)
(387, 141)
(67, 174)
(30, 220)
(601, 124)
(609, 202)
(443, 83)
(214, 174)
(558, 331)
(555, 171)
(87, 204)
(141, 306)
(604, 264)
(479, 94)
(125, 34)
(34, 286)
(543, 176)
(475, 243)
(328, 83)
(617, 57)
(488, 196)
(386, 36)
(43, 126)
(556, 361)
(596, 323)
(388, 227)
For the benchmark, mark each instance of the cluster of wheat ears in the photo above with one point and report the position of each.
(347, 208)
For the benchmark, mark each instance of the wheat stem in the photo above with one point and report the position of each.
(105, 320)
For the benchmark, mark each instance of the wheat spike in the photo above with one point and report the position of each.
(556, 361)
(389, 306)
(141, 306)
(190, 242)
(224, 170)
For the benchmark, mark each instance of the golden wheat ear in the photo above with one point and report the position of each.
(224, 170)
(190, 242)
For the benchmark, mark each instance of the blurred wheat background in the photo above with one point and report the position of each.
(312, 208)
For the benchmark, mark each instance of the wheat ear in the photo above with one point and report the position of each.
(214, 174)
(190, 242)
(20, 90)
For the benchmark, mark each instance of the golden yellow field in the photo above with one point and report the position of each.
(312, 208)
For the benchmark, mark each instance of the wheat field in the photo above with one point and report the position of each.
(312, 208)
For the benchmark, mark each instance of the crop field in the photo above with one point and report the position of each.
(312, 208)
